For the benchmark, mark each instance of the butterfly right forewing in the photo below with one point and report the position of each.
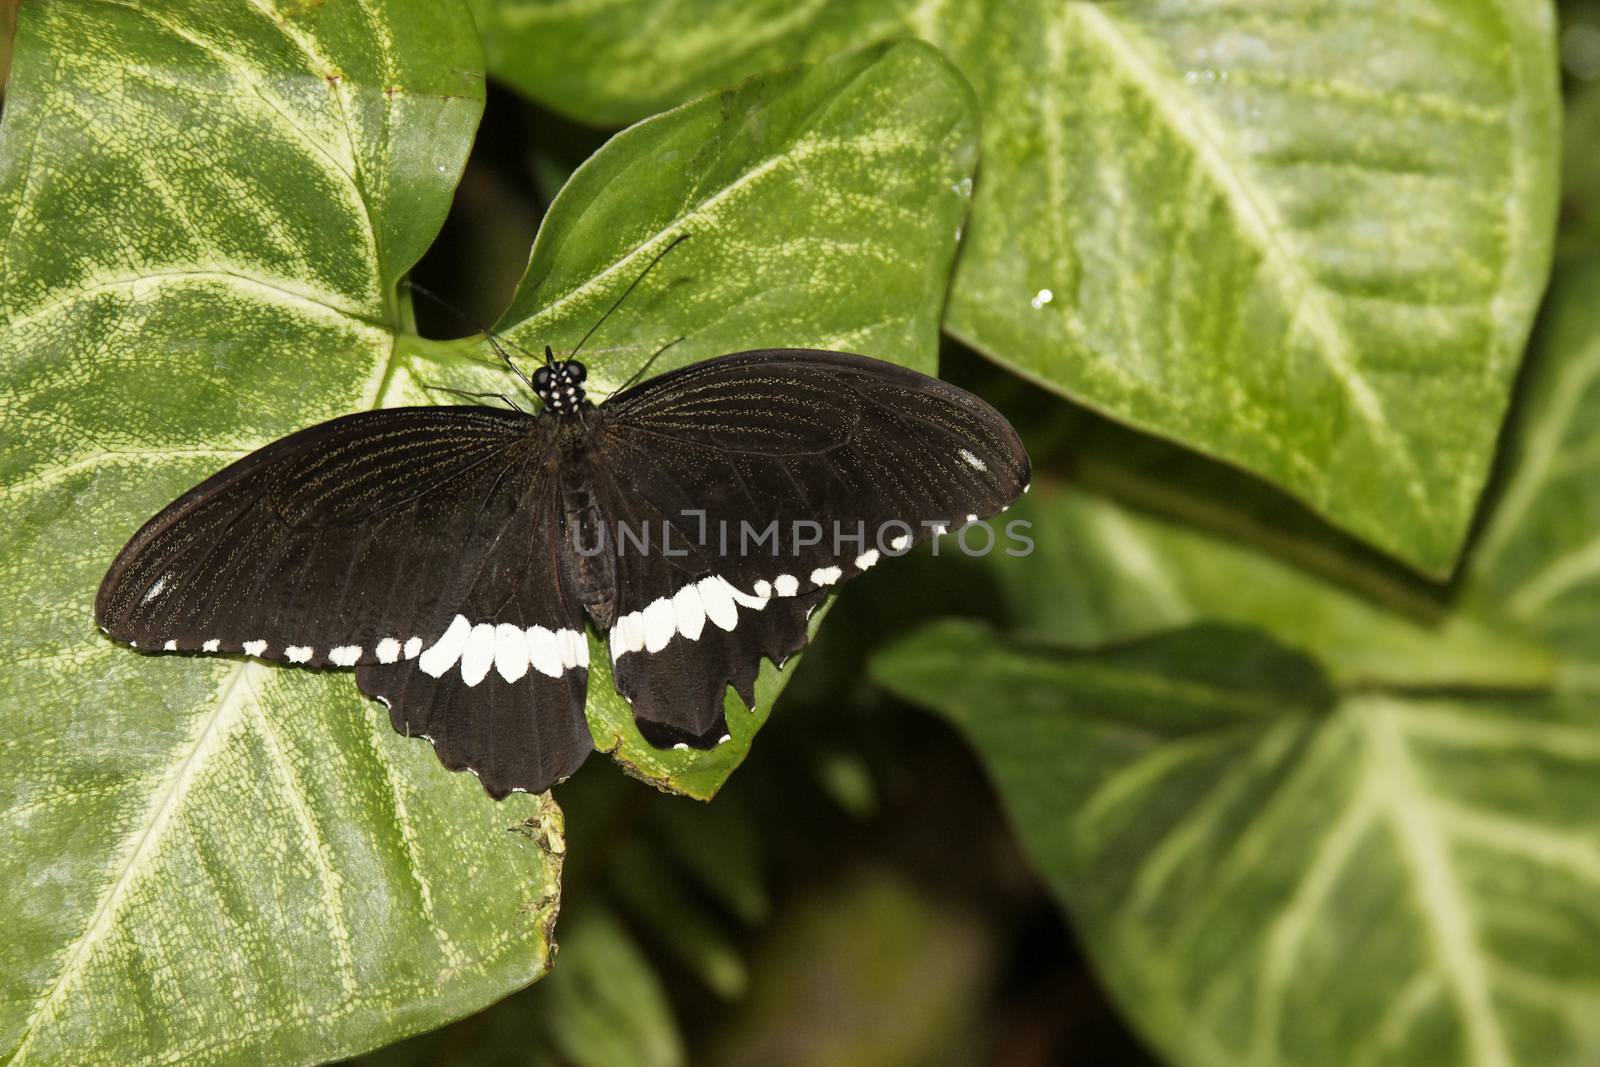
(780, 474)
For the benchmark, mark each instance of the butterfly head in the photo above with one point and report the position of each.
(559, 383)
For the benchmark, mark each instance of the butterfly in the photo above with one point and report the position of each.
(451, 555)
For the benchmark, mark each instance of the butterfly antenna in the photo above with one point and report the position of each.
(469, 394)
(646, 366)
(492, 337)
(676, 241)
(494, 343)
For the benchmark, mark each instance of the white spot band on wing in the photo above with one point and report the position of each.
(505, 648)
(443, 653)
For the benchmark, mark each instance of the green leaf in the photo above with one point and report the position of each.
(1103, 570)
(1538, 563)
(821, 206)
(865, 154)
(1266, 876)
(1306, 239)
(1401, 875)
(204, 216)
(604, 1005)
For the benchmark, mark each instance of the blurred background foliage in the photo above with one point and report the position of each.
(856, 894)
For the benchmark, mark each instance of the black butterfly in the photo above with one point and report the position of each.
(450, 554)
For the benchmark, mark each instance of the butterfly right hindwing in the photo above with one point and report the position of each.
(777, 474)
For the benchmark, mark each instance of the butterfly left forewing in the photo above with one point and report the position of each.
(419, 545)
(336, 545)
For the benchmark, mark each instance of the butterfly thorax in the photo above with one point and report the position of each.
(594, 567)
(559, 385)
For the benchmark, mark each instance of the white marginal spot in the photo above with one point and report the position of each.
(510, 651)
(786, 585)
(901, 543)
(413, 648)
(384, 701)
(973, 461)
(660, 623)
(716, 596)
(825, 575)
(543, 651)
(972, 518)
(155, 590)
(170, 646)
(866, 559)
(681, 746)
(344, 655)
(388, 650)
(689, 612)
(478, 656)
(254, 648)
(764, 589)
(1025, 488)
(743, 599)
(724, 739)
(298, 653)
(211, 645)
(443, 653)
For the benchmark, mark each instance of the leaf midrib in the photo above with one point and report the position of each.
(1306, 299)
(1407, 804)
(235, 695)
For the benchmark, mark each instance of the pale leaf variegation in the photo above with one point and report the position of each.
(1305, 238)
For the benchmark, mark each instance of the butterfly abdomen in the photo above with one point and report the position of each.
(587, 548)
